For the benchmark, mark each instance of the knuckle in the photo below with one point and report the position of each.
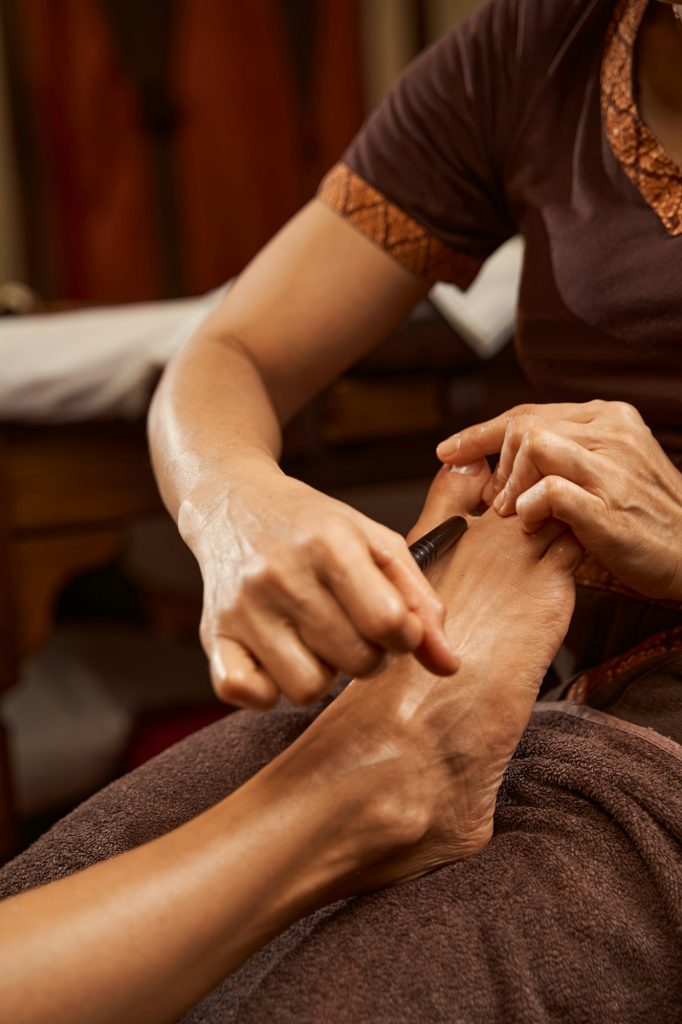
(363, 660)
(395, 543)
(390, 546)
(385, 621)
(518, 427)
(306, 538)
(627, 412)
(555, 487)
(232, 688)
(324, 538)
(525, 409)
(308, 688)
(511, 432)
(268, 575)
(526, 424)
(534, 439)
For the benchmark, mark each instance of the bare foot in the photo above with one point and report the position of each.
(429, 753)
(510, 597)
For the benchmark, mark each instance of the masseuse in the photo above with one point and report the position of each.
(566, 126)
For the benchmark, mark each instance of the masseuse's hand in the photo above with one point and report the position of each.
(299, 586)
(597, 467)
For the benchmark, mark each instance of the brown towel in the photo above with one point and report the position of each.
(572, 914)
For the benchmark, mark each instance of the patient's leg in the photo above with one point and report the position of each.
(185, 780)
(570, 913)
(488, 627)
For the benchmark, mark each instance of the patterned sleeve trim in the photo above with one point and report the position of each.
(647, 164)
(393, 230)
(603, 683)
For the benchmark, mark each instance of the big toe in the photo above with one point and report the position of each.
(451, 493)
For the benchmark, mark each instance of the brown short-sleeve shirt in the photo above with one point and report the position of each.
(523, 119)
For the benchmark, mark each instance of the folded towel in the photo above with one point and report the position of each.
(573, 912)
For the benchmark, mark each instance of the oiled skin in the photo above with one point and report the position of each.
(397, 776)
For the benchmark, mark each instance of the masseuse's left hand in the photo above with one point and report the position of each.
(597, 467)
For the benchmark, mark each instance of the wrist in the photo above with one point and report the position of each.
(211, 499)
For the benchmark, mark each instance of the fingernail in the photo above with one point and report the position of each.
(471, 469)
(447, 448)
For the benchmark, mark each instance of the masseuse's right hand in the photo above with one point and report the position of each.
(299, 586)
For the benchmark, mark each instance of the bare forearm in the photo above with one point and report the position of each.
(317, 298)
(143, 936)
(279, 615)
(211, 420)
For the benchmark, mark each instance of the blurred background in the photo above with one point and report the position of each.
(148, 148)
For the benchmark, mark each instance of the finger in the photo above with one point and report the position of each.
(379, 611)
(517, 428)
(546, 453)
(566, 552)
(276, 646)
(487, 438)
(394, 558)
(474, 442)
(555, 497)
(299, 674)
(547, 534)
(523, 435)
(327, 631)
(237, 679)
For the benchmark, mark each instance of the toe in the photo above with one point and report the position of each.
(565, 553)
(451, 494)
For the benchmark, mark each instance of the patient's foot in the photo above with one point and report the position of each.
(509, 606)
(433, 750)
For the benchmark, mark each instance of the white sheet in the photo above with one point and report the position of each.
(94, 363)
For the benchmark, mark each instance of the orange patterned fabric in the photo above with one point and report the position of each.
(393, 230)
(653, 172)
(614, 670)
(592, 574)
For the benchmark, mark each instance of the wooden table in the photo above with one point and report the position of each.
(67, 494)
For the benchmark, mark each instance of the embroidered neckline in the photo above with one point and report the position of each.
(647, 164)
